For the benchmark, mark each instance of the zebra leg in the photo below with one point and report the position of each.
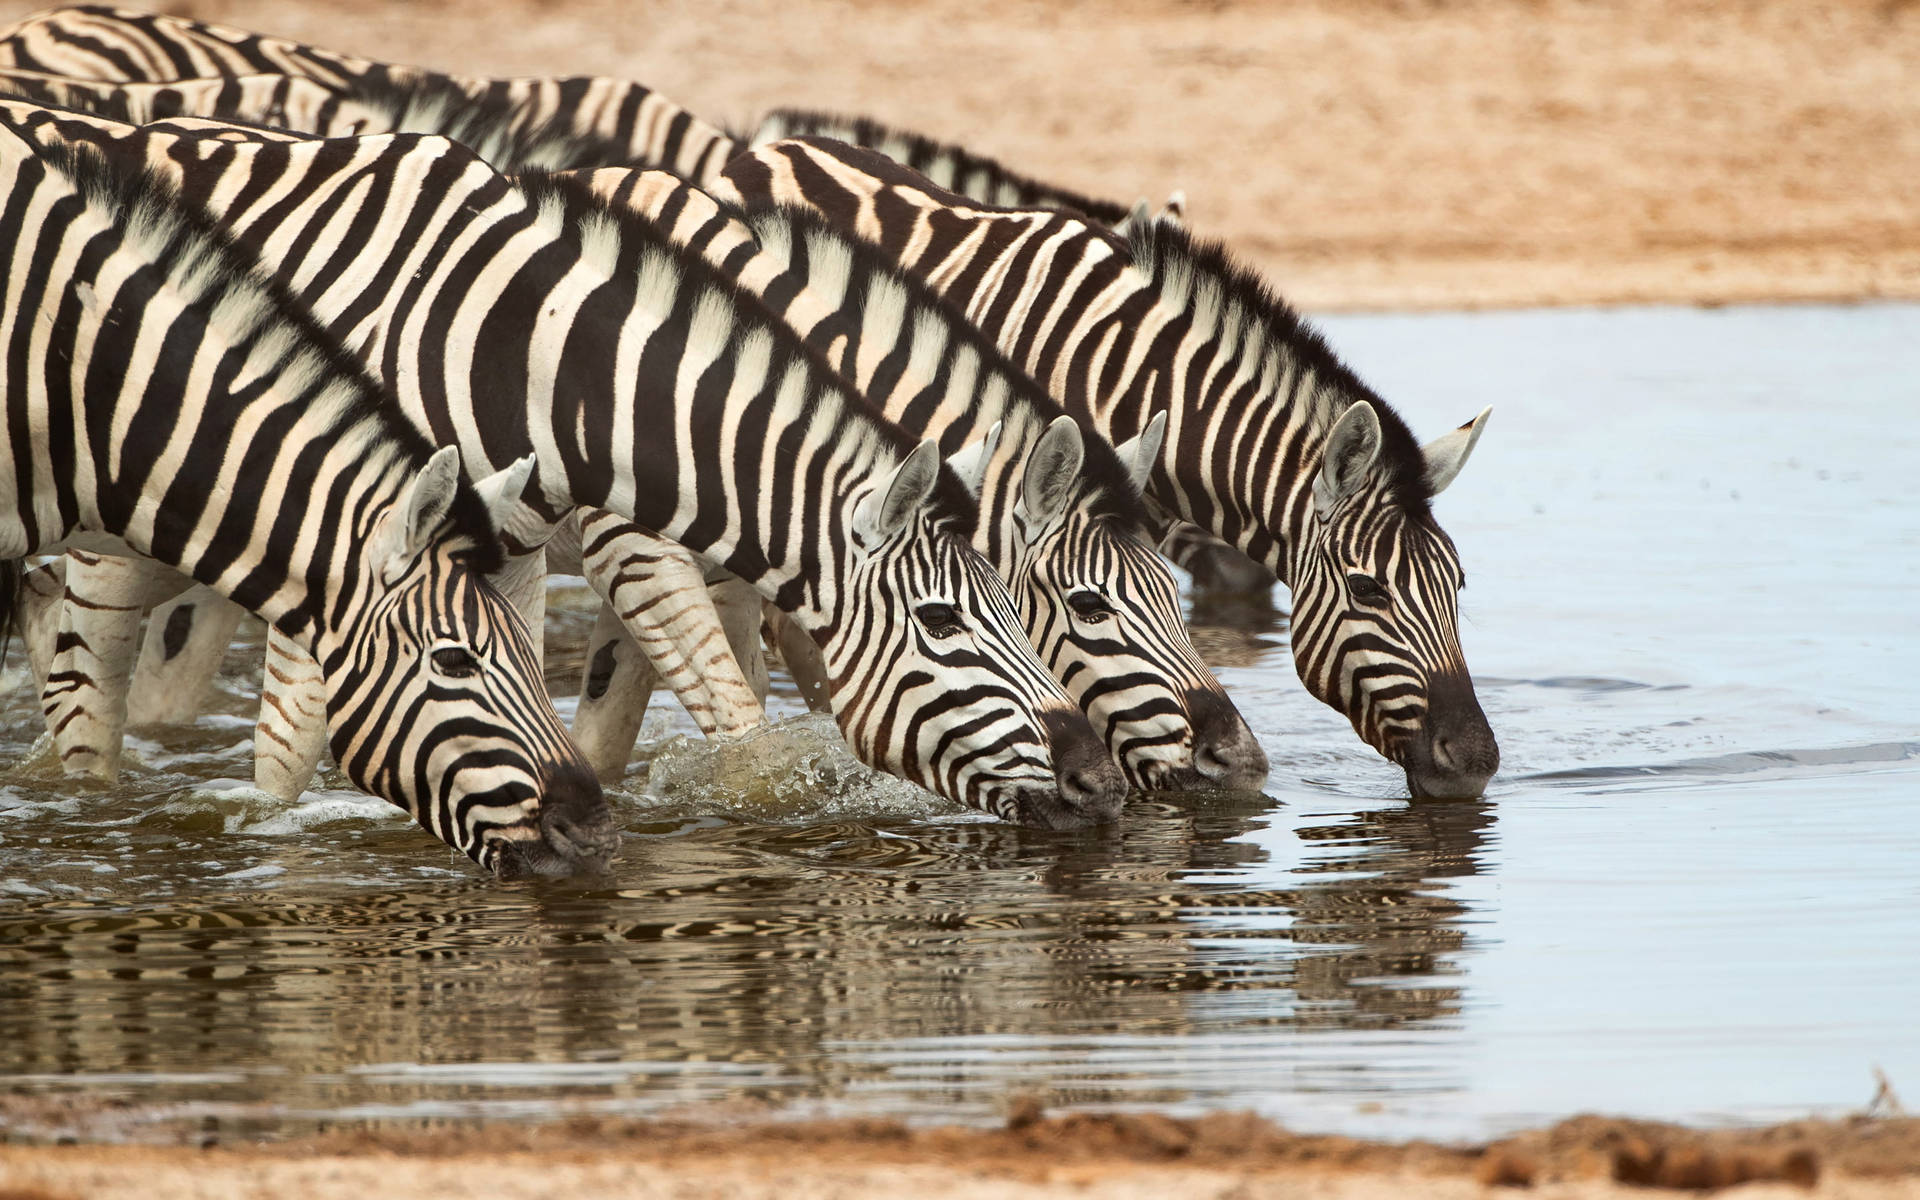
(617, 680)
(803, 658)
(659, 589)
(290, 737)
(41, 591)
(615, 688)
(738, 604)
(85, 693)
(186, 639)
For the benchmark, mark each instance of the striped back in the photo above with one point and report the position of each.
(529, 317)
(100, 42)
(534, 117)
(951, 166)
(1273, 445)
(181, 405)
(283, 101)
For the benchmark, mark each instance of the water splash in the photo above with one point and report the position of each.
(795, 771)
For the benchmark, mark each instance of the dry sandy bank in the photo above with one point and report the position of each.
(1217, 1157)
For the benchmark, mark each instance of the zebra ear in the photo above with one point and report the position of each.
(893, 503)
(1053, 467)
(1447, 453)
(1174, 211)
(501, 490)
(970, 463)
(1141, 452)
(423, 507)
(1352, 447)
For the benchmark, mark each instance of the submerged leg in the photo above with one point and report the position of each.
(186, 639)
(290, 737)
(41, 591)
(658, 589)
(85, 693)
(803, 658)
(616, 686)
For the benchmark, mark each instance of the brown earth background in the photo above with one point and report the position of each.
(1365, 154)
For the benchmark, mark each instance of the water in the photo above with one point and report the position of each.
(1693, 546)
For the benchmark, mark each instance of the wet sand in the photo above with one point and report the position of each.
(1226, 1155)
(1376, 153)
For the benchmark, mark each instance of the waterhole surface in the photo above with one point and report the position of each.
(1692, 542)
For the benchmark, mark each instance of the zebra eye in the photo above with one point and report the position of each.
(941, 620)
(456, 661)
(1366, 589)
(1090, 606)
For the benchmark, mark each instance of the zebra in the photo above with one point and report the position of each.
(530, 316)
(169, 399)
(285, 101)
(1098, 603)
(1122, 653)
(1273, 444)
(126, 46)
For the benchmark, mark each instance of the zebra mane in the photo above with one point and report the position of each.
(488, 123)
(224, 281)
(953, 167)
(1106, 486)
(624, 244)
(1252, 322)
(49, 91)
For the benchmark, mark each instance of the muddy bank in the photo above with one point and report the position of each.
(1119, 1156)
(1365, 154)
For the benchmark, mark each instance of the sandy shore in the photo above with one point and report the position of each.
(1218, 1157)
(1371, 153)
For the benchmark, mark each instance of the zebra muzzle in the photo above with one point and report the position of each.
(577, 831)
(1089, 789)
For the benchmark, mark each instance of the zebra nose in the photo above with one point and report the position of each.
(574, 819)
(1456, 754)
(1225, 752)
(1091, 787)
(577, 830)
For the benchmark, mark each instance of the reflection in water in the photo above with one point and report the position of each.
(757, 960)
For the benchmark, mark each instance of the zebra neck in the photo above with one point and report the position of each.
(910, 355)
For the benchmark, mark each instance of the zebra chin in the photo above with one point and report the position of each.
(574, 834)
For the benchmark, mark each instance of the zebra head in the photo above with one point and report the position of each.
(1104, 615)
(436, 700)
(1376, 585)
(933, 678)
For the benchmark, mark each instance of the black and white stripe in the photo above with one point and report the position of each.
(516, 318)
(1272, 445)
(530, 119)
(167, 399)
(1100, 608)
(1060, 515)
